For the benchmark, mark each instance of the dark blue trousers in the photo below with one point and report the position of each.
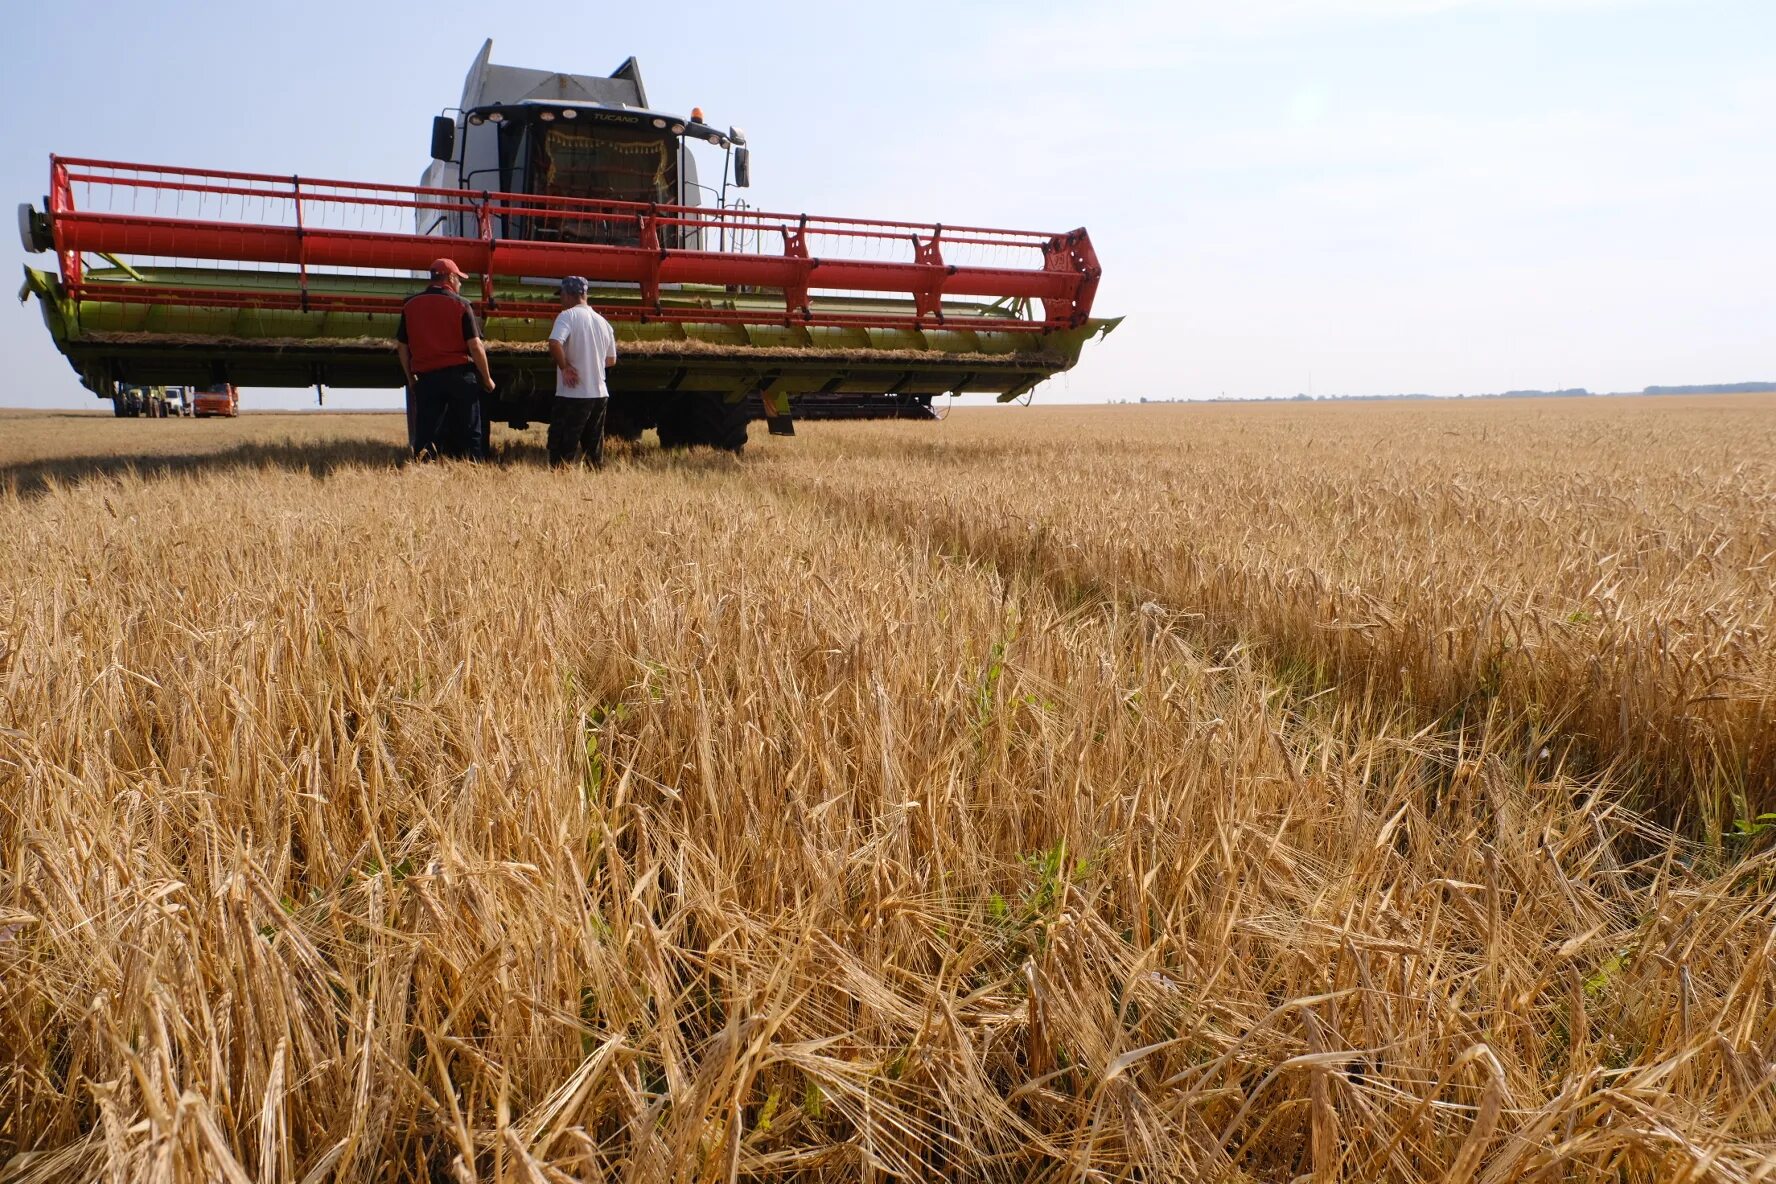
(447, 414)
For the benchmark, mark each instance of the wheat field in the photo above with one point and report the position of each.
(1232, 793)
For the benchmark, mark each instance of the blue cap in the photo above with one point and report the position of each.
(574, 285)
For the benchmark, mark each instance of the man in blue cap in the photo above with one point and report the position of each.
(583, 345)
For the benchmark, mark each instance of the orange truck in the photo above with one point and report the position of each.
(222, 398)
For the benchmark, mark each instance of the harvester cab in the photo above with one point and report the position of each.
(576, 137)
(724, 313)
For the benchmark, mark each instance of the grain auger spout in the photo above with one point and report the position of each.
(724, 313)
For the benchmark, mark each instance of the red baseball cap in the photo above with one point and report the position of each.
(441, 267)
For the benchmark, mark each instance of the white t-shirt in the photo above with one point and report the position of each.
(587, 339)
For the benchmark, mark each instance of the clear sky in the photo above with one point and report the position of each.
(1352, 196)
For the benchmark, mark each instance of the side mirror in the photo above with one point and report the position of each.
(742, 167)
(34, 231)
(443, 137)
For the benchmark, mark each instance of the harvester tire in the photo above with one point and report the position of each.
(620, 423)
(702, 420)
(712, 422)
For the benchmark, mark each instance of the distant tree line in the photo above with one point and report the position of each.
(1714, 388)
(1711, 388)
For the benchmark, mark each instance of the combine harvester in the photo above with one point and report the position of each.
(723, 313)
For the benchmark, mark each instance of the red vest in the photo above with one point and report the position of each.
(437, 326)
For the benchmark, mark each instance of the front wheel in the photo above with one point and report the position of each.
(703, 421)
(620, 423)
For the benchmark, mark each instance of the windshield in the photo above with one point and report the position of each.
(603, 162)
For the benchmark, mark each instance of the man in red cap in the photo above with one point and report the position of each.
(441, 354)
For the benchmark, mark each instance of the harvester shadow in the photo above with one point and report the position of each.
(33, 479)
(633, 455)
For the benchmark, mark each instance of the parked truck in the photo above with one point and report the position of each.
(724, 312)
(219, 398)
